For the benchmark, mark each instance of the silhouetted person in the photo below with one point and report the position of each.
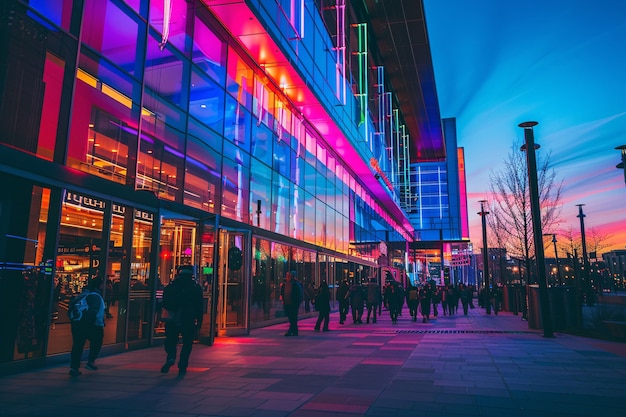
(183, 299)
(291, 296)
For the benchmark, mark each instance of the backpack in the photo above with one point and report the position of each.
(412, 294)
(78, 307)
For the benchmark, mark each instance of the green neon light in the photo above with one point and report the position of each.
(362, 81)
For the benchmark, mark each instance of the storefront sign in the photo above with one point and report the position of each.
(95, 204)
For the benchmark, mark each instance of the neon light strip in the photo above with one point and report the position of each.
(167, 16)
(362, 62)
(340, 82)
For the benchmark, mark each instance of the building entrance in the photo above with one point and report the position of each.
(234, 255)
(187, 242)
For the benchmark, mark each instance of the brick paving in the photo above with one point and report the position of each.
(477, 365)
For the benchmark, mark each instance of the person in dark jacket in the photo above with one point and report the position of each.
(355, 295)
(373, 298)
(344, 303)
(412, 300)
(425, 295)
(291, 295)
(183, 298)
(90, 327)
(322, 305)
(393, 300)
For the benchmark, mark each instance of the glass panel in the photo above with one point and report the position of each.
(235, 193)
(262, 140)
(173, 22)
(260, 190)
(79, 257)
(320, 224)
(233, 291)
(25, 289)
(113, 33)
(263, 305)
(209, 52)
(282, 158)
(166, 74)
(206, 135)
(309, 218)
(240, 80)
(202, 177)
(159, 168)
(103, 131)
(59, 12)
(296, 220)
(53, 80)
(279, 266)
(282, 193)
(206, 101)
(237, 124)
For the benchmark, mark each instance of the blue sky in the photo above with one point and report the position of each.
(561, 63)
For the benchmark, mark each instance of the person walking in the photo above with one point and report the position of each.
(182, 299)
(425, 295)
(393, 301)
(373, 299)
(355, 295)
(412, 300)
(322, 305)
(465, 297)
(87, 323)
(291, 295)
(342, 298)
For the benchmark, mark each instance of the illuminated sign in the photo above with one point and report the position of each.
(379, 172)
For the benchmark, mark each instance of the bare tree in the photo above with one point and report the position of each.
(510, 203)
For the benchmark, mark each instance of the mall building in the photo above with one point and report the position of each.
(243, 138)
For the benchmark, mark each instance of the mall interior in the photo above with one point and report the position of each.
(245, 139)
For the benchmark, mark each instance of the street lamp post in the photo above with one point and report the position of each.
(556, 258)
(487, 292)
(588, 290)
(535, 210)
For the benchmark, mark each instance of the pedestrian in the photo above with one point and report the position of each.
(497, 298)
(182, 299)
(373, 299)
(291, 295)
(393, 301)
(344, 303)
(87, 324)
(425, 295)
(309, 296)
(412, 300)
(436, 300)
(443, 296)
(465, 295)
(322, 305)
(355, 295)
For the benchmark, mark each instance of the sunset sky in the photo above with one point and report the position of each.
(561, 63)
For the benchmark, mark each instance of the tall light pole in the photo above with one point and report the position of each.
(586, 277)
(556, 258)
(535, 210)
(483, 215)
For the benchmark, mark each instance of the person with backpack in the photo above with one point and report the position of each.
(86, 313)
(182, 299)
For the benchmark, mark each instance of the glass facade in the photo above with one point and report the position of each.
(140, 143)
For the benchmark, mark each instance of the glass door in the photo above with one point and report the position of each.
(233, 285)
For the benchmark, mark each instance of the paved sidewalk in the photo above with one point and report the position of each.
(477, 365)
